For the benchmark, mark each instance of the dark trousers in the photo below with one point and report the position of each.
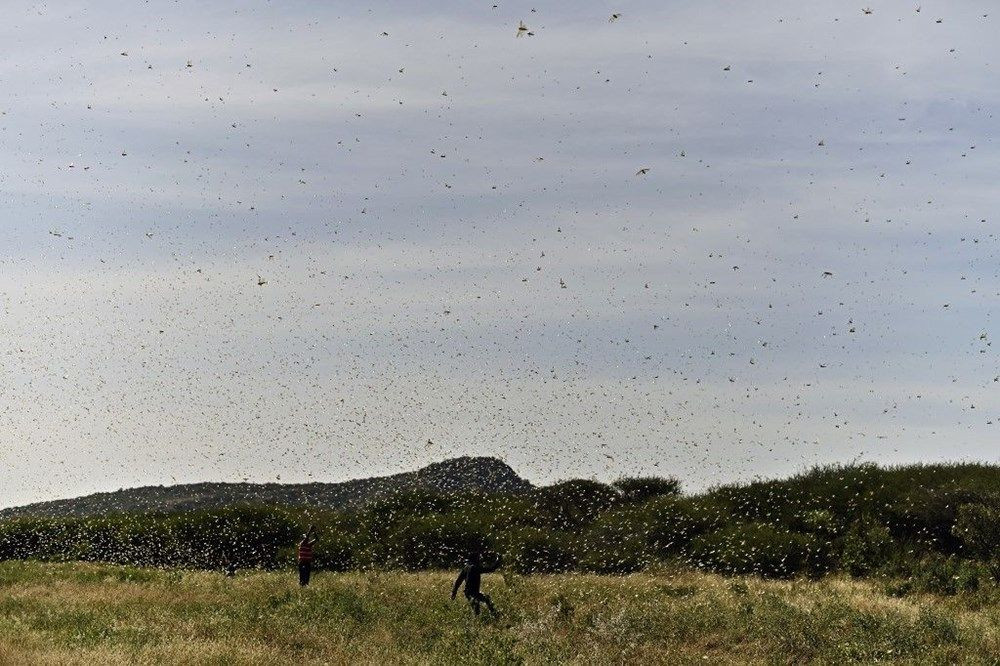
(478, 597)
(305, 570)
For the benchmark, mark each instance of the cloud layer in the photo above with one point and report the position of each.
(459, 254)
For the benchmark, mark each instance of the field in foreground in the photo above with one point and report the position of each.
(84, 613)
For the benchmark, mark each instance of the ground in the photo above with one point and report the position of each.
(87, 614)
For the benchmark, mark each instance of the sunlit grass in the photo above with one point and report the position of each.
(83, 613)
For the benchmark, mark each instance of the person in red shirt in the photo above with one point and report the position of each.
(306, 555)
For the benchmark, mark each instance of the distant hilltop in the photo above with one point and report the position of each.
(479, 474)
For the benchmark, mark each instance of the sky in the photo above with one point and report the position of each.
(298, 241)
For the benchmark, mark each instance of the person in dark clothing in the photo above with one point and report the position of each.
(471, 575)
(306, 555)
(228, 566)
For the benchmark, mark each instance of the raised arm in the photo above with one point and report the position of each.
(458, 582)
(492, 567)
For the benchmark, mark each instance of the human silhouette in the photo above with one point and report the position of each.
(471, 574)
(306, 555)
(228, 566)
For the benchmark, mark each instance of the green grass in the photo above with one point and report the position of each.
(84, 613)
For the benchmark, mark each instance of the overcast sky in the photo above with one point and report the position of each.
(314, 241)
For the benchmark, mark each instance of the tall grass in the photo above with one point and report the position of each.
(86, 613)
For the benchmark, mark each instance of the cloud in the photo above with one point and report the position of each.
(480, 265)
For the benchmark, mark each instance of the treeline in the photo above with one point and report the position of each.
(937, 526)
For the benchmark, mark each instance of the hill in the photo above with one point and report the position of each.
(482, 474)
(935, 526)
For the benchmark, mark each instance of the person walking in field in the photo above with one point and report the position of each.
(228, 566)
(471, 574)
(306, 555)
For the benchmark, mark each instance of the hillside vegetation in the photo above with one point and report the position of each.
(936, 526)
(485, 475)
(101, 614)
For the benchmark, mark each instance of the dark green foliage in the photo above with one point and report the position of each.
(243, 536)
(336, 552)
(543, 552)
(937, 526)
(928, 515)
(940, 574)
(675, 521)
(573, 504)
(411, 503)
(867, 546)
(641, 489)
(616, 543)
(754, 548)
(438, 543)
(820, 522)
(977, 527)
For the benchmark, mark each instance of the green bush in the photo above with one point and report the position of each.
(671, 523)
(438, 543)
(753, 548)
(918, 523)
(642, 489)
(977, 527)
(407, 504)
(543, 552)
(615, 543)
(334, 552)
(948, 575)
(576, 503)
(940, 574)
(928, 515)
(820, 522)
(866, 548)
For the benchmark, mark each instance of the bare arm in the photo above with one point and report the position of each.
(458, 583)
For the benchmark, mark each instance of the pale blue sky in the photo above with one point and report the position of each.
(415, 228)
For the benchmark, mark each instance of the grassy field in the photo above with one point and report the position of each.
(82, 613)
